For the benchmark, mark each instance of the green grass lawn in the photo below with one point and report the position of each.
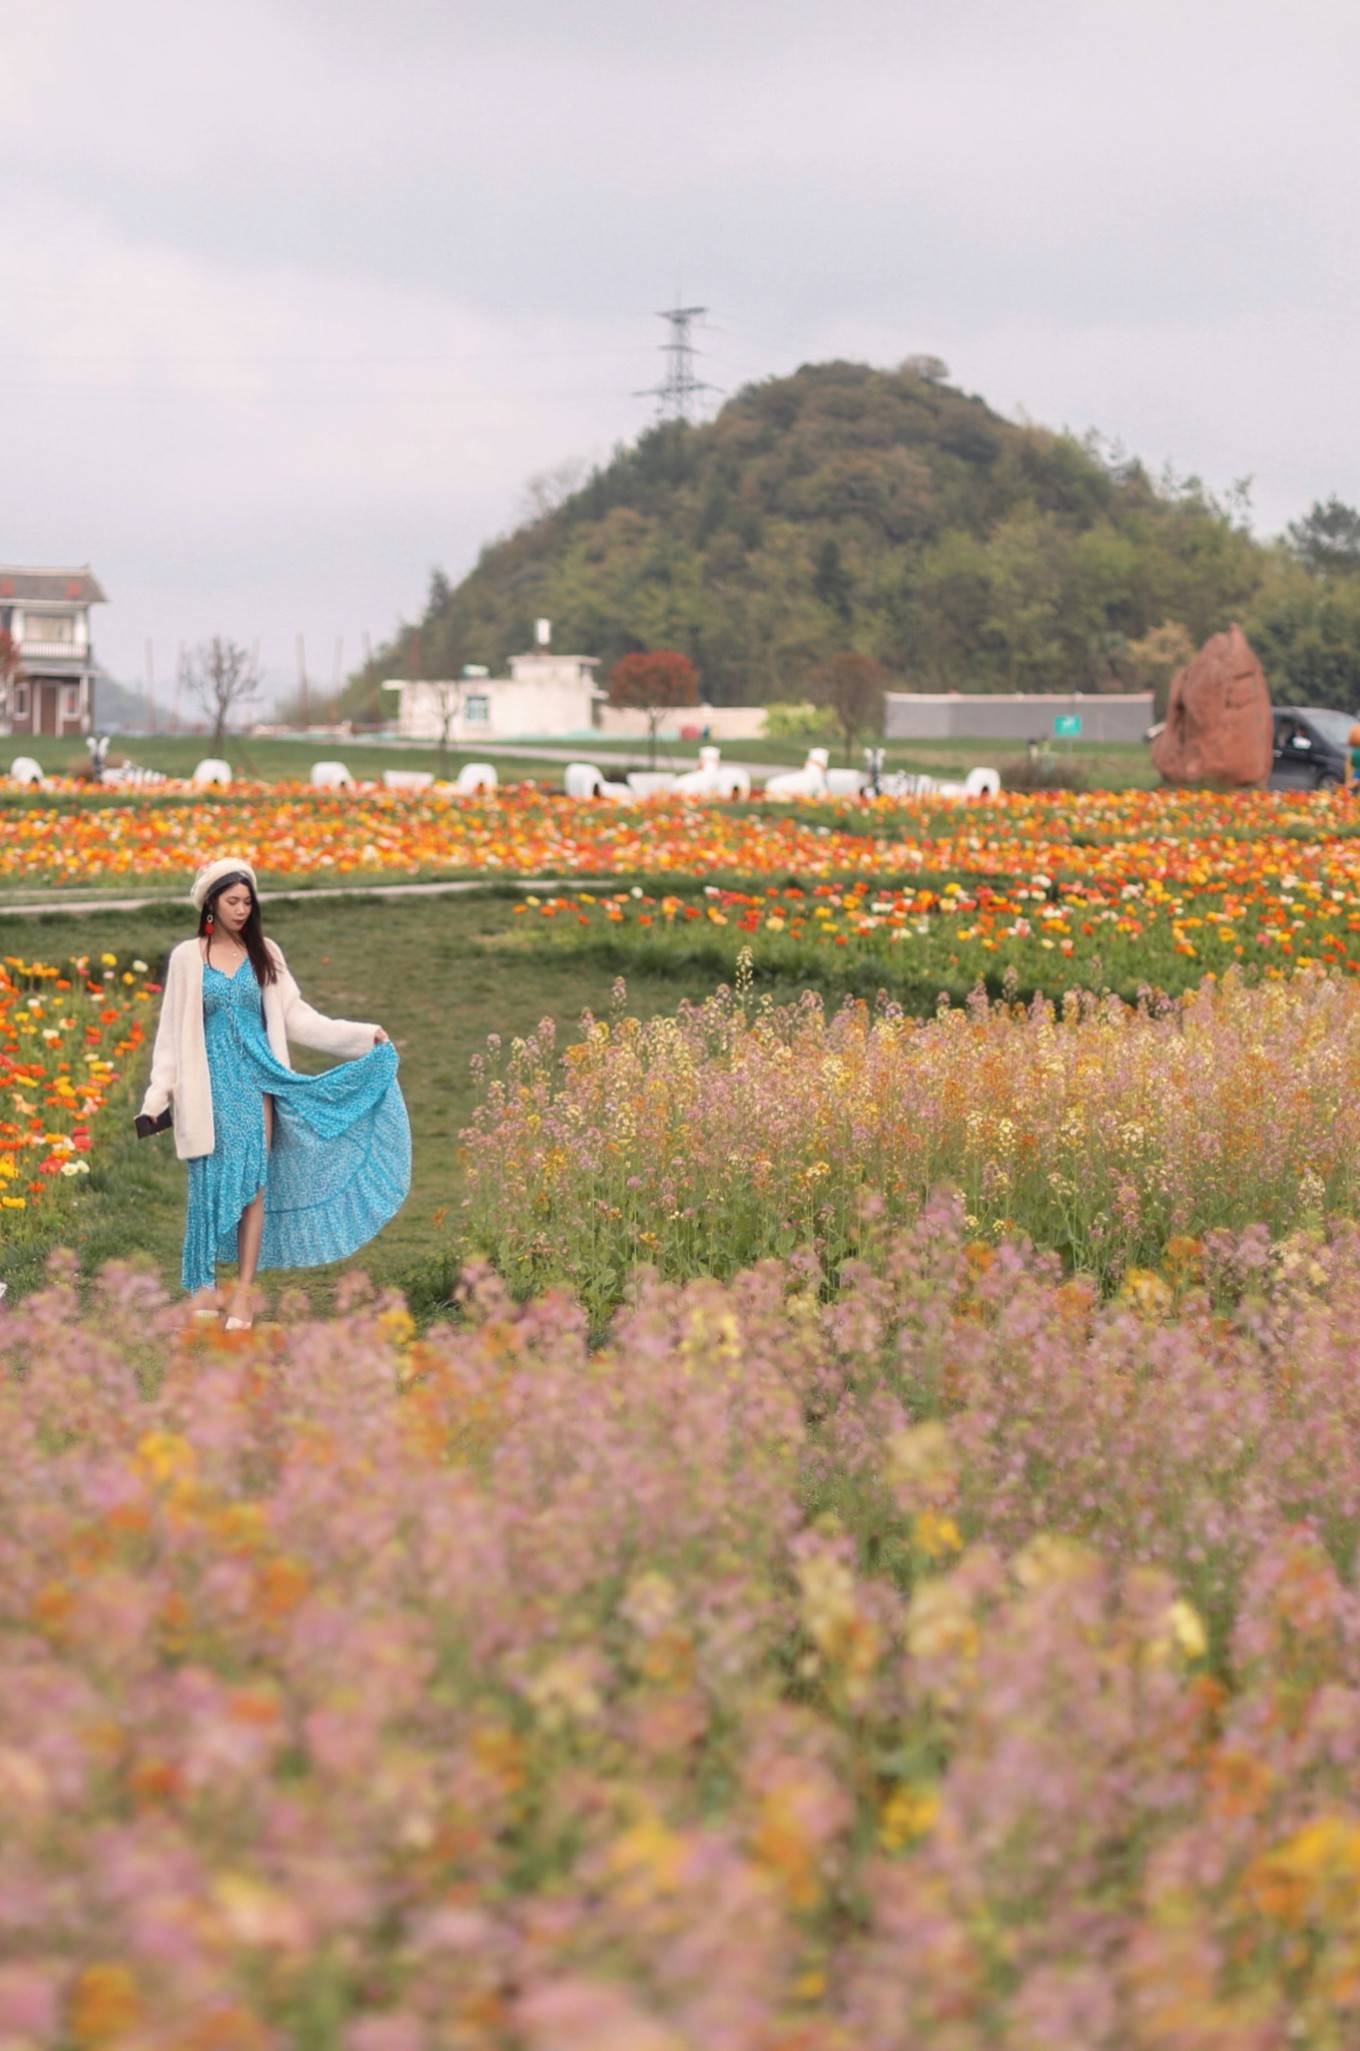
(1112, 765)
(437, 974)
(272, 760)
(1107, 765)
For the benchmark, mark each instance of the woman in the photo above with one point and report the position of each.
(285, 1170)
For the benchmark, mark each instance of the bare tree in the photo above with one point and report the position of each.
(447, 694)
(546, 490)
(222, 675)
(851, 687)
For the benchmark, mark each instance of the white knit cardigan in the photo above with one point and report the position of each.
(179, 1059)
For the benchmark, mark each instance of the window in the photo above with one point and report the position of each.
(71, 707)
(21, 701)
(50, 627)
(477, 709)
(1334, 727)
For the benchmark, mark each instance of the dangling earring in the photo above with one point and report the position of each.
(208, 923)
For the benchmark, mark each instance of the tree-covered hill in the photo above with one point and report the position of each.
(851, 508)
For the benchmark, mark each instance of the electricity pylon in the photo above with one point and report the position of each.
(676, 393)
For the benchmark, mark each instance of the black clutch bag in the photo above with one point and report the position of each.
(146, 1126)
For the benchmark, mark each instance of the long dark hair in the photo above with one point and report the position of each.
(252, 933)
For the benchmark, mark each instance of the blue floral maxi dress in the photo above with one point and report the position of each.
(340, 1163)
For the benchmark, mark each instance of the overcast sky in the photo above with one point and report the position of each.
(299, 293)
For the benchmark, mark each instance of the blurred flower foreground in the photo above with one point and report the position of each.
(936, 1654)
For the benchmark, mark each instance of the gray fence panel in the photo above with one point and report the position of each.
(920, 716)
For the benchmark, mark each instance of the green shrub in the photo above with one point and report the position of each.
(1043, 771)
(801, 721)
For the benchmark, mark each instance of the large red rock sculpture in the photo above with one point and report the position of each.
(1218, 726)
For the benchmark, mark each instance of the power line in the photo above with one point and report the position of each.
(304, 359)
(678, 389)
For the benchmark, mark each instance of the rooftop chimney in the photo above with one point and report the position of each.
(543, 633)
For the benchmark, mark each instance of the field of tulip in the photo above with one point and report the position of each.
(1042, 934)
(1242, 843)
(296, 834)
(936, 1656)
(737, 1130)
(70, 1035)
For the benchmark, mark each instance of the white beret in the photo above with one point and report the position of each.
(229, 865)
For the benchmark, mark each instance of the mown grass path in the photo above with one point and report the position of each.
(49, 903)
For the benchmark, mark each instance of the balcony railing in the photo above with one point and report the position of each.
(45, 651)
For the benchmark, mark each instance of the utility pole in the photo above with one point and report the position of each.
(676, 392)
(302, 683)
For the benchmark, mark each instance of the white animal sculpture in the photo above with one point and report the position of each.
(23, 769)
(807, 782)
(703, 781)
(213, 770)
(650, 783)
(331, 776)
(712, 780)
(475, 776)
(979, 783)
(582, 780)
(407, 779)
(845, 783)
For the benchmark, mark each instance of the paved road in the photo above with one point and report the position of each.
(43, 907)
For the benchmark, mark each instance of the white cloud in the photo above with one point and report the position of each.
(257, 453)
(301, 290)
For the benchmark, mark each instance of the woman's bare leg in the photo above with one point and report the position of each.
(250, 1233)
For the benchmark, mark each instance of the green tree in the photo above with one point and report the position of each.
(438, 595)
(831, 581)
(945, 595)
(933, 368)
(1327, 539)
(1150, 662)
(1306, 631)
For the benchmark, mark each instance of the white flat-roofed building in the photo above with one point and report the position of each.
(543, 694)
(46, 614)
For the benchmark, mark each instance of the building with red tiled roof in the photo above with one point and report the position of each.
(47, 684)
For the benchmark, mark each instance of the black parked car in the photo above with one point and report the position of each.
(1311, 745)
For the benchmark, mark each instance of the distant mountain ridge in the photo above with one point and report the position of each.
(849, 507)
(118, 709)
